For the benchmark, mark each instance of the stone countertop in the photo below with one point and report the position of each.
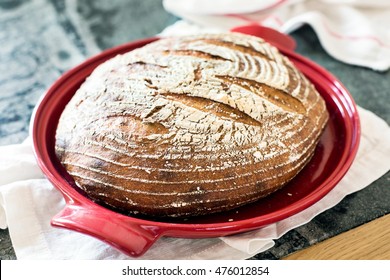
(40, 39)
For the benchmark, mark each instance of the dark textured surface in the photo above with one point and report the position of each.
(40, 39)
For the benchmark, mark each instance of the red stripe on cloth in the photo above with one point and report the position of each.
(354, 38)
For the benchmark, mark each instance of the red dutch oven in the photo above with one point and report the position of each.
(134, 235)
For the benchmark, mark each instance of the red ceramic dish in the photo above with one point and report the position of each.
(134, 235)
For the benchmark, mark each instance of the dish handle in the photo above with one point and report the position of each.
(280, 40)
(129, 237)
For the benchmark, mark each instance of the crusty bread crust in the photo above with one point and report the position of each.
(190, 125)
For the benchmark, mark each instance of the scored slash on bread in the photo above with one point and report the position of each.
(190, 125)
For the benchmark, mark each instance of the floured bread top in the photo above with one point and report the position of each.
(190, 125)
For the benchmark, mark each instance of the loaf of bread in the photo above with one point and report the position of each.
(190, 125)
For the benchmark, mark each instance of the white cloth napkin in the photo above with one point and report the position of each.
(28, 201)
(353, 31)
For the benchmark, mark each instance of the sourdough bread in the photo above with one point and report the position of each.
(190, 125)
